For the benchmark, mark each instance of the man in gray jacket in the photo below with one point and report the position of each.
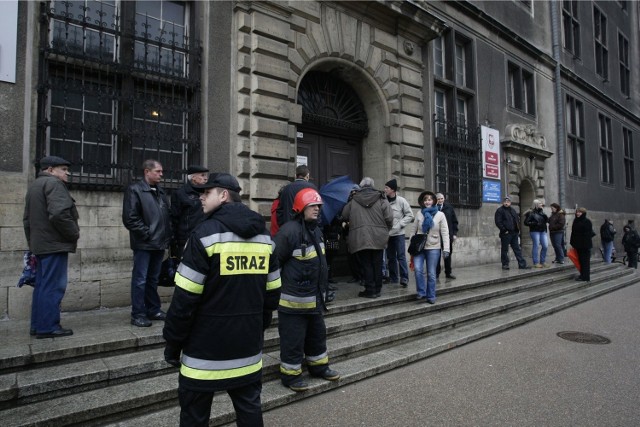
(51, 227)
(145, 213)
(370, 218)
(402, 216)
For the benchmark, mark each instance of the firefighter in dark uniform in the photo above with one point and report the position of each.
(300, 252)
(186, 208)
(227, 286)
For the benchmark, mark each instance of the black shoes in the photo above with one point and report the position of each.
(386, 280)
(55, 334)
(330, 375)
(505, 267)
(299, 386)
(431, 301)
(332, 288)
(404, 283)
(450, 276)
(161, 315)
(141, 322)
(365, 294)
(353, 280)
(526, 267)
(331, 281)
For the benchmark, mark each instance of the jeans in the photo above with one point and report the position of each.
(539, 238)
(397, 259)
(607, 250)
(511, 239)
(51, 284)
(556, 242)
(432, 258)
(144, 282)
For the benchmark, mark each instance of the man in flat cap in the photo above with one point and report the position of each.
(227, 286)
(507, 220)
(186, 208)
(51, 228)
(145, 213)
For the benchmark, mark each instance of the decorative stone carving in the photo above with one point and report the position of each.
(408, 48)
(525, 134)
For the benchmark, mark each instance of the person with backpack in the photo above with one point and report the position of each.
(607, 234)
(537, 221)
(631, 243)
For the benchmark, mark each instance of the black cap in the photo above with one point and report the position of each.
(196, 169)
(392, 184)
(221, 180)
(53, 161)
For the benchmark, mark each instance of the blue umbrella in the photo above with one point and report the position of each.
(335, 195)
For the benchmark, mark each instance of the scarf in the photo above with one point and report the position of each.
(428, 214)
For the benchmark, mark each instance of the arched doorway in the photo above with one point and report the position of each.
(333, 125)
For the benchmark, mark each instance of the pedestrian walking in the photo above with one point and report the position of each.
(303, 334)
(186, 208)
(51, 228)
(607, 235)
(557, 223)
(581, 235)
(145, 213)
(507, 220)
(397, 267)
(227, 286)
(452, 223)
(537, 221)
(433, 224)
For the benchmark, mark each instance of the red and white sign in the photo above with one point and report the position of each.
(490, 152)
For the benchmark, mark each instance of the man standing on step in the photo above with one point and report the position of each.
(452, 223)
(303, 333)
(227, 286)
(288, 193)
(396, 251)
(145, 213)
(186, 208)
(51, 228)
(507, 220)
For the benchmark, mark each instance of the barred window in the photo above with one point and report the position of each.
(606, 149)
(119, 84)
(574, 113)
(629, 161)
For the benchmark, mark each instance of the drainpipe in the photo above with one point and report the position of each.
(560, 130)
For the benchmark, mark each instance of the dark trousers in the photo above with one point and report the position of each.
(195, 406)
(354, 266)
(397, 259)
(447, 260)
(371, 267)
(300, 335)
(144, 282)
(51, 284)
(557, 243)
(584, 256)
(632, 259)
(507, 240)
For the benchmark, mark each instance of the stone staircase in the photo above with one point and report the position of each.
(110, 373)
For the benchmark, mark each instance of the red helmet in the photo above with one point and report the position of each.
(306, 197)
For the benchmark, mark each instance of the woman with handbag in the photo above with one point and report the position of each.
(432, 224)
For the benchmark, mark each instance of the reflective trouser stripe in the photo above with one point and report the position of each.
(288, 369)
(201, 369)
(274, 284)
(291, 301)
(321, 359)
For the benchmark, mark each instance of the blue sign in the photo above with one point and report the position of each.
(491, 191)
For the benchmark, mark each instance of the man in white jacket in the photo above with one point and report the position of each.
(402, 216)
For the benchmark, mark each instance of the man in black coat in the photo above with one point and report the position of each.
(186, 208)
(284, 211)
(452, 222)
(507, 220)
(145, 213)
(51, 228)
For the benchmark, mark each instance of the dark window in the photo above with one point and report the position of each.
(521, 89)
(457, 144)
(629, 164)
(120, 84)
(623, 4)
(575, 137)
(600, 37)
(606, 149)
(623, 56)
(571, 27)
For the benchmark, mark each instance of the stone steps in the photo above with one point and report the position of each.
(113, 379)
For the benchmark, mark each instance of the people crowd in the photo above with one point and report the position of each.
(233, 273)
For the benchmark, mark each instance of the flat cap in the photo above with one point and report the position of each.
(53, 161)
(507, 198)
(196, 169)
(221, 180)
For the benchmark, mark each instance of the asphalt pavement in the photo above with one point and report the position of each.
(527, 376)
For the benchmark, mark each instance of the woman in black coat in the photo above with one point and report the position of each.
(581, 235)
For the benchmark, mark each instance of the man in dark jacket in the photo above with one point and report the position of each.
(452, 223)
(186, 208)
(370, 218)
(507, 220)
(284, 211)
(51, 227)
(145, 213)
(227, 287)
(581, 235)
(300, 252)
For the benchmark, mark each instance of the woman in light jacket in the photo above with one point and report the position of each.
(433, 223)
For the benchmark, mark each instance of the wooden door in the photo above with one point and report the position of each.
(330, 156)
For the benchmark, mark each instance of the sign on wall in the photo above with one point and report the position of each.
(490, 153)
(8, 40)
(491, 191)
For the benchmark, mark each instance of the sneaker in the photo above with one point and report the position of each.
(330, 375)
(141, 322)
(161, 315)
(537, 265)
(299, 386)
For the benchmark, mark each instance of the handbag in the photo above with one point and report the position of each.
(416, 244)
(30, 267)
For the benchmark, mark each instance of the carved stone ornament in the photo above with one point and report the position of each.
(525, 134)
(408, 48)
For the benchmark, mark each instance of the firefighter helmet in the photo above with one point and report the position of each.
(306, 197)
